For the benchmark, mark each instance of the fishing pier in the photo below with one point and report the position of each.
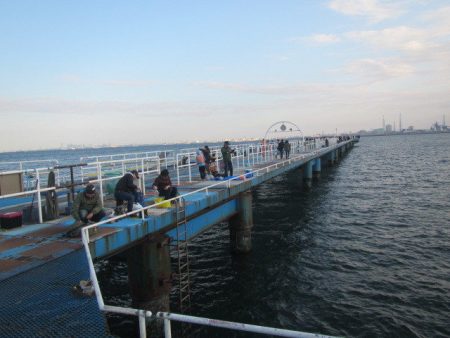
(37, 261)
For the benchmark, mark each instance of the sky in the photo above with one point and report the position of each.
(145, 72)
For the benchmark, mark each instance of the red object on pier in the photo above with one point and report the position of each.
(11, 220)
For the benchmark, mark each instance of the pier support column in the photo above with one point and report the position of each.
(316, 168)
(241, 224)
(330, 157)
(336, 156)
(308, 173)
(149, 274)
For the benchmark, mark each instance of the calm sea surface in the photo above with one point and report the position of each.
(364, 253)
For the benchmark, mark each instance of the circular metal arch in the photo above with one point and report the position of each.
(283, 129)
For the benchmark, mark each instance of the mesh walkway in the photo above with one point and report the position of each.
(40, 303)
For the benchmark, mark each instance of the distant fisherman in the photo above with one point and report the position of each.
(287, 148)
(226, 156)
(200, 158)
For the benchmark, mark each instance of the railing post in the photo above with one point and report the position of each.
(99, 178)
(38, 187)
(143, 176)
(167, 329)
(189, 167)
(178, 170)
(142, 328)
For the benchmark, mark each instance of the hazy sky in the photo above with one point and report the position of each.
(95, 72)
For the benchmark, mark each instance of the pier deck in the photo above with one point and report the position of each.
(40, 262)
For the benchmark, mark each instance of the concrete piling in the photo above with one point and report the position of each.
(316, 168)
(241, 224)
(149, 274)
(308, 173)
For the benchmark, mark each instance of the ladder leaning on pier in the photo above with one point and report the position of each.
(181, 246)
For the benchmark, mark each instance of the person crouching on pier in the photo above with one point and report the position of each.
(86, 208)
(164, 186)
(126, 190)
(213, 168)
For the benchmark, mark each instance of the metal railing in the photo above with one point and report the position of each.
(25, 165)
(145, 166)
(37, 191)
(247, 155)
(167, 157)
(167, 317)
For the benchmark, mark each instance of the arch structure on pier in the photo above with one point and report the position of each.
(283, 130)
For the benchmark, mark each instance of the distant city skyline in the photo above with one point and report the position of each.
(165, 72)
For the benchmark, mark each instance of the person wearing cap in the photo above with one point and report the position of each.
(127, 190)
(87, 206)
(226, 157)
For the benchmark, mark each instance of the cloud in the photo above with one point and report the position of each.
(317, 39)
(75, 79)
(324, 38)
(397, 38)
(78, 109)
(371, 69)
(375, 11)
(439, 22)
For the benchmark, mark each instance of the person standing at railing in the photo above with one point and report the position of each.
(201, 163)
(207, 154)
(226, 157)
(287, 148)
(164, 186)
(280, 148)
(86, 208)
(263, 148)
(126, 190)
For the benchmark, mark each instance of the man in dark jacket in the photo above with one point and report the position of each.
(126, 190)
(226, 157)
(87, 206)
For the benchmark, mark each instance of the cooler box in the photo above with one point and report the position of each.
(11, 220)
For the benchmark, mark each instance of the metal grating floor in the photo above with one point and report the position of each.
(40, 302)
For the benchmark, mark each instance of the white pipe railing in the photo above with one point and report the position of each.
(269, 155)
(23, 164)
(226, 183)
(167, 317)
(166, 157)
(142, 168)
